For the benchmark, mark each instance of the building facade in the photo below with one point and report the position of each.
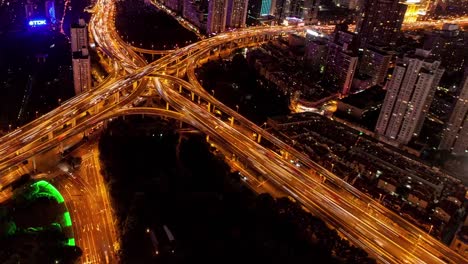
(341, 60)
(81, 71)
(236, 13)
(414, 78)
(375, 63)
(455, 135)
(306, 10)
(217, 12)
(380, 21)
(79, 35)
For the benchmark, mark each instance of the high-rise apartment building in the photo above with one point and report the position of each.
(409, 90)
(450, 45)
(79, 36)
(217, 12)
(236, 13)
(81, 70)
(455, 135)
(380, 21)
(375, 63)
(341, 60)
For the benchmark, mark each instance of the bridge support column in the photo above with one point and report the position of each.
(208, 107)
(207, 138)
(232, 120)
(259, 138)
(135, 84)
(73, 122)
(61, 147)
(167, 106)
(33, 159)
(117, 97)
(50, 135)
(180, 88)
(193, 96)
(198, 100)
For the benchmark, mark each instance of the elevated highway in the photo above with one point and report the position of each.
(383, 234)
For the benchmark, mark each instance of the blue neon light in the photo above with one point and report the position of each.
(35, 23)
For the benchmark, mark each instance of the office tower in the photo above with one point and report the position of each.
(236, 13)
(79, 35)
(375, 63)
(217, 11)
(409, 90)
(50, 11)
(306, 10)
(455, 135)
(267, 7)
(380, 22)
(81, 70)
(341, 60)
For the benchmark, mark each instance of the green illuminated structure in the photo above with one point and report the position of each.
(49, 188)
(45, 188)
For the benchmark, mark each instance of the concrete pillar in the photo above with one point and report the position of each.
(180, 88)
(50, 135)
(232, 121)
(33, 159)
(167, 106)
(259, 137)
(193, 96)
(117, 97)
(73, 122)
(209, 106)
(207, 138)
(135, 84)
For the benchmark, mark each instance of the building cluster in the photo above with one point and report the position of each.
(81, 61)
(217, 16)
(425, 196)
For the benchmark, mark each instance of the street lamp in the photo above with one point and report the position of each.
(237, 108)
(430, 229)
(213, 92)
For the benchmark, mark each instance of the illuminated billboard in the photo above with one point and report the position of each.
(37, 22)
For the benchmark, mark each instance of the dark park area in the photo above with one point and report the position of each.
(160, 177)
(235, 83)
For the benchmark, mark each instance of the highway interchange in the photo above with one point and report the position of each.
(382, 233)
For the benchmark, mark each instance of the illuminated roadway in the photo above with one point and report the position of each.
(365, 222)
(462, 21)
